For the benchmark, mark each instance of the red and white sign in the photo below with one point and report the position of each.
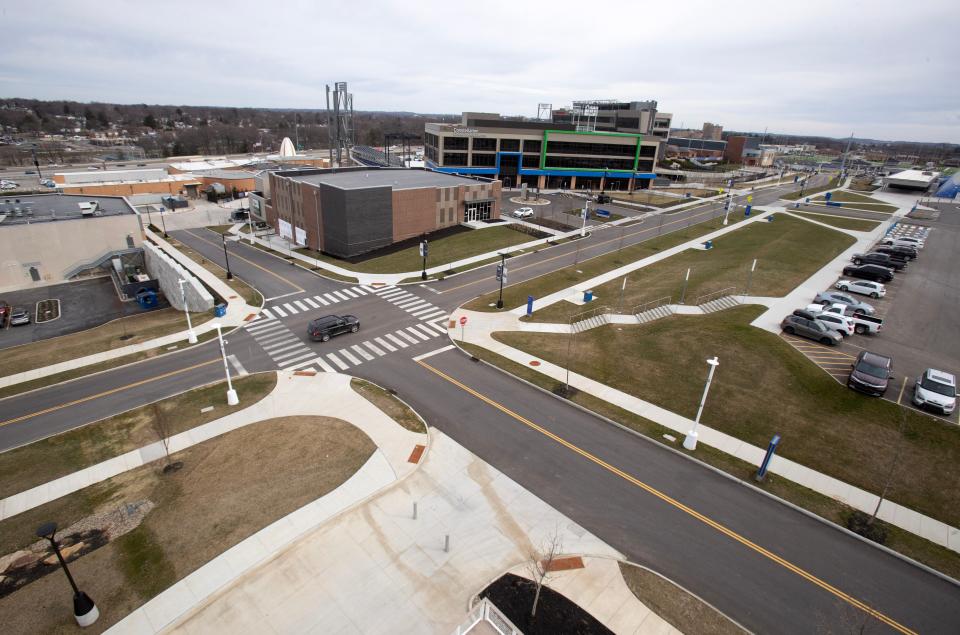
(463, 320)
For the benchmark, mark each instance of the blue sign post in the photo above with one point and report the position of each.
(529, 305)
(602, 213)
(762, 472)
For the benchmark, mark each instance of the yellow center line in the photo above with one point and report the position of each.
(600, 244)
(678, 505)
(105, 393)
(249, 262)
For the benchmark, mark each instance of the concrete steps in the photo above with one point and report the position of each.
(590, 323)
(654, 314)
(726, 302)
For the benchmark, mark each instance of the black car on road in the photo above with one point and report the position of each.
(869, 272)
(871, 374)
(876, 258)
(322, 329)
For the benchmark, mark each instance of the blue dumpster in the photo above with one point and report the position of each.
(588, 296)
(147, 299)
(828, 195)
(708, 244)
(219, 310)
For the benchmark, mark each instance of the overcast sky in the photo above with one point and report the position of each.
(887, 70)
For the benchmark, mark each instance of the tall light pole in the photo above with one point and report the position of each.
(163, 222)
(423, 254)
(232, 398)
(585, 214)
(690, 442)
(84, 610)
(726, 211)
(191, 334)
(223, 239)
(501, 276)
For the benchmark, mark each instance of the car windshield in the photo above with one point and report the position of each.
(937, 387)
(873, 371)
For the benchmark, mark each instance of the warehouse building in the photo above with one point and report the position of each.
(594, 145)
(345, 212)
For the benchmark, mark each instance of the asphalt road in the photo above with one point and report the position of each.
(771, 568)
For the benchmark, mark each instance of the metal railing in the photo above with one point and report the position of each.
(651, 305)
(707, 297)
(580, 318)
(486, 611)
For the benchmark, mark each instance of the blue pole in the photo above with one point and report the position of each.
(771, 449)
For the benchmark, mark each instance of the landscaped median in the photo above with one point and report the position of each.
(766, 389)
(843, 222)
(810, 191)
(233, 484)
(851, 200)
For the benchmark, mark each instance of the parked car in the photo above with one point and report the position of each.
(904, 241)
(898, 251)
(92, 167)
(937, 390)
(869, 272)
(864, 287)
(871, 373)
(141, 165)
(4, 312)
(876, 258)
(29, 172)
(523, 212)
(833, 297)
(810, 328)
(603, 198)
(836, 322)
(322, 329)
(861, 323)
(19, 316)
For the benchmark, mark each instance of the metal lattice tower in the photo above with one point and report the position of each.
(339, 122)
(545, 112)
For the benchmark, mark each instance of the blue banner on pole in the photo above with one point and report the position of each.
(771, 449)
(602, 213)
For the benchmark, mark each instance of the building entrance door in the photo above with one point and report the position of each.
(477, 211)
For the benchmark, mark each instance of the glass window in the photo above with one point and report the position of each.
(485, 144)
(529, 145)
(454, 158)
(510, 145)
(484, 160)
(454, 143)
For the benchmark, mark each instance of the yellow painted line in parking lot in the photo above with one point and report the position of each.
(806, 575)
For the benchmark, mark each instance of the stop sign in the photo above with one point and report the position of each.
(463, 320)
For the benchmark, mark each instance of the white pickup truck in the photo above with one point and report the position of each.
(862, 324)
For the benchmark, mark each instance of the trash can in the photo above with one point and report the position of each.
(219, 310)
(746, 212)
(708, 244)
(147, 299)
(588, 296)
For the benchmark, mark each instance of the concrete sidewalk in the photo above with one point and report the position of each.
(293, 395)
(237, 312)
(376, 569)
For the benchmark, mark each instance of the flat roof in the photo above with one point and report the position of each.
(397, 178)
(45, 208)
(917, 176)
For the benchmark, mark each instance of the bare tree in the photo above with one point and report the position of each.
(540, 564)
(163, 431)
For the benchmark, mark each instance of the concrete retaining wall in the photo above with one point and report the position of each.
(169, 272)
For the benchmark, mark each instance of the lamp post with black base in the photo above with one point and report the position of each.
(84, 610)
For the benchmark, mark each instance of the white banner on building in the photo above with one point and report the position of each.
(301, 236)
(286, 230)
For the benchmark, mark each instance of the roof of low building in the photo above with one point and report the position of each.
(919, 176)
(227, 174)
(397, 178)
(44, 208)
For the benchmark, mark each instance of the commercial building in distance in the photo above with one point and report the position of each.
(747, 151)
(593, 145)
(349, 211)
(917, 180)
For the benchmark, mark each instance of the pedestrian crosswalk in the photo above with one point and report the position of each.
(289, 352)
(302, 305)
(412, 304)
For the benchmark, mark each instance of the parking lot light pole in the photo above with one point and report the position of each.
(223, 239)
(586, 213)
(503, 274)
(690, 442)
(164, 224)
(191, 334)
(84, 609)
(423, 253)
(232, 398)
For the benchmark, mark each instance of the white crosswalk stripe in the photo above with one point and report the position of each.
(424, 328)
(382, 342)
(431, 314)
(312, 304)
(349, 293)
(292, 309)
(324, 365)
(321, 300)
(300, 350)
(259, 327)
(440, 327)
(364, 354)
(373, 348)
(286, 363)
(421, 312)
(340, 295)
(336, 360)
(414, 331)
(396, 340)
(279, 311)
(359, 290)
(409, 302)
(301, 305)
(407, 337)
(345, 353)
(272, 337)
(283, 345)
(332, 299)
(266, 313)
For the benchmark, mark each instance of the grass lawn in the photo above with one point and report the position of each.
(244, 290)
(788, 251)
(228, 488)
(683, 611)
(389, 404)
(679, 232)
(769, 388)
(859, 201)
(810, 191)
(857, 224)
(220, 229)
(442, 250)
(698, 192)
(940, 558)
(106, 337)
(644, 197)
(56, 456)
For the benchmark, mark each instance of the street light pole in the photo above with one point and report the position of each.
(690, 442)
(191, 334)
(502, 276)
(423, 253)
(163, 223)
(586, 213)
(232, 398)
(750, 277)
(84, 609)
(223, 239)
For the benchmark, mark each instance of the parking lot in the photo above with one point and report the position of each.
(920, 316)
(83, 305)
(561, 204)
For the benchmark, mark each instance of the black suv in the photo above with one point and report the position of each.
(901, 252)
(871, 374)
(875, 258)
(322, 329)
(869, 272)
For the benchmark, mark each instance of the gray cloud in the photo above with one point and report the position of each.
(879, 69)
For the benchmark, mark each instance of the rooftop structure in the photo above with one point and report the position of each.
(920, 180)
(45, 208)
(209, 164)
(396, 178)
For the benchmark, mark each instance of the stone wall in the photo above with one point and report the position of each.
(168, 272)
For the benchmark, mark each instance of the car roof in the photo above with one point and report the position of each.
(875, 359)
(941, 376)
